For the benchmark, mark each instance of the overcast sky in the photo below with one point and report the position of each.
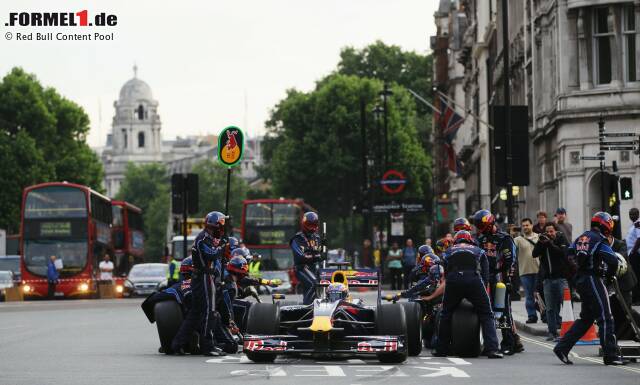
(203, 59)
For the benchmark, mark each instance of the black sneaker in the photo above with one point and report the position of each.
(615, 361)
(562, 356)
(494, 355)
(531, 320)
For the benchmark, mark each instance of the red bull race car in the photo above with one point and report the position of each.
(336, 324)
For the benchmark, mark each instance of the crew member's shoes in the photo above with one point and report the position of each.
(615, 361)
(518, 348)
(160, 349)
(214, 352)
(494, 354)
(553, 337)
(179, 352)
(531, 320)
(562, 356)
(436, 353)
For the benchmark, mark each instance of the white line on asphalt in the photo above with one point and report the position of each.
(573, 354)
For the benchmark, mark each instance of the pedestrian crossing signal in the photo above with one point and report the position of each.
(626, 189)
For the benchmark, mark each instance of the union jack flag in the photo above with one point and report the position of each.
(448, 120)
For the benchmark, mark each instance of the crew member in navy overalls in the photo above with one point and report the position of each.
(591, 254)
(422, 272)
(501, 254)
(207, 252)
(466, 272)
(306, 247)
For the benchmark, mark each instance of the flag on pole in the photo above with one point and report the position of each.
(448, 119)
(453, 163)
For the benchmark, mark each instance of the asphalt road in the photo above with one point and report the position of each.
(112, 342)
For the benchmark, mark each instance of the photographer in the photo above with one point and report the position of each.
(554, 267)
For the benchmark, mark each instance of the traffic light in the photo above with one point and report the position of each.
(626, 189)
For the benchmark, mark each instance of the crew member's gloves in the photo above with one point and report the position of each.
(233, 328)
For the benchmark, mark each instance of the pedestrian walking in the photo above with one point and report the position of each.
(633, 245)
(554, 267)
(562, 224)
(528, 266)
(52, 276)
(394, 264)
(409, 256)
(541, 216)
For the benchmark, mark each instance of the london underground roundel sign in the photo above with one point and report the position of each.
(393, 182)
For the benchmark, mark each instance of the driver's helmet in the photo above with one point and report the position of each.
(435, 272)
(337, 291)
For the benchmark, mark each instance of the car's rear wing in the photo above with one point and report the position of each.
(354, 277)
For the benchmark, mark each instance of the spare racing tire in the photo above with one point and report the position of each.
(413, 316)
(263, 319)
(391, 321)
(465, 331)
(168, 315)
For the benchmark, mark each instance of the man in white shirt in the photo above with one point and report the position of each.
(106, 269)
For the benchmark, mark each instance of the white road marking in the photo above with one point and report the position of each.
(268, 372)
(452, 360)
(321, 371)
(575, 355)
(381, 370)
(443, 371)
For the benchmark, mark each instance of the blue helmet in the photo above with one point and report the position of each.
(239, 252)
(186, 267)
(483, 220)
(233, 243)
(424, 250)
(427, 261)
(310, 222)
(214, 222)
(238, 265)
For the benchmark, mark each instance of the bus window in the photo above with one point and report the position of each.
(55, 202)
(116, 213)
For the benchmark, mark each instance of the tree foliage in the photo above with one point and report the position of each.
(212, 184)
(147, 186)
(42, 139)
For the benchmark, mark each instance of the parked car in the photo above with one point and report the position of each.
(145, 278)
(11, 263)
(6, 282)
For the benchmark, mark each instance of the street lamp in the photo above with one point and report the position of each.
(384, 94)
(377, 113)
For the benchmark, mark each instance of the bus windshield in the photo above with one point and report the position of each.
(271, 223)
(38, 252)
(55, 202)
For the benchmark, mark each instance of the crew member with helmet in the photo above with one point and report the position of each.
(466, 273)
(461, 223)
(427, 276)
(593, 258)
(306, 247)
(501, 254)
(442, 245)
(207, 252)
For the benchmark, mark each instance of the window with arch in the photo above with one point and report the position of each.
(140, 139)
(140, 112)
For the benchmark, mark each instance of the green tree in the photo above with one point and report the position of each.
(43, 139)
(212, 184)
(318, 152)
(147, 187)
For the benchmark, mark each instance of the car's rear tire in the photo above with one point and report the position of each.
(168, 315)
(263, 319)
(390, 320)
(413, 316)
(465, 331)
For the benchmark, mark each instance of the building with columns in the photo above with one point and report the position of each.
(136, 137)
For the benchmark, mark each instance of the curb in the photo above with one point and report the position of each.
(530, 329)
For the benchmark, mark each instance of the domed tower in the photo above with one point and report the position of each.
(136, 124)
(135, 136)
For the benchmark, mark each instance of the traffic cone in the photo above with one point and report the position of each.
(590, 337)
(567, 313)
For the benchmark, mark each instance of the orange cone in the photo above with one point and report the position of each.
(590, 337)
(566, 313)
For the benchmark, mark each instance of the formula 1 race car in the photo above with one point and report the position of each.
(334, 325)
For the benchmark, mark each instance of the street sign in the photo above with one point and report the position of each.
(406, 206)
(631, 143)
(393, 182)
(397, 224)
(230, 146)
(619, 148)
(619, 134)
(592, 157)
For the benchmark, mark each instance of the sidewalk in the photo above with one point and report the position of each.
(538, 329)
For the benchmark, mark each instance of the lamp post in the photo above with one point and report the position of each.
(384, 94)
(377, 113)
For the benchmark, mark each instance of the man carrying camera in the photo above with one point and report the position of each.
(550, 249)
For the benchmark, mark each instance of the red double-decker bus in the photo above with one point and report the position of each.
(128, 236)
(267, 226)
(72, 222)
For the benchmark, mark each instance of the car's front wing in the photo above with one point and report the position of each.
(287, 344)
